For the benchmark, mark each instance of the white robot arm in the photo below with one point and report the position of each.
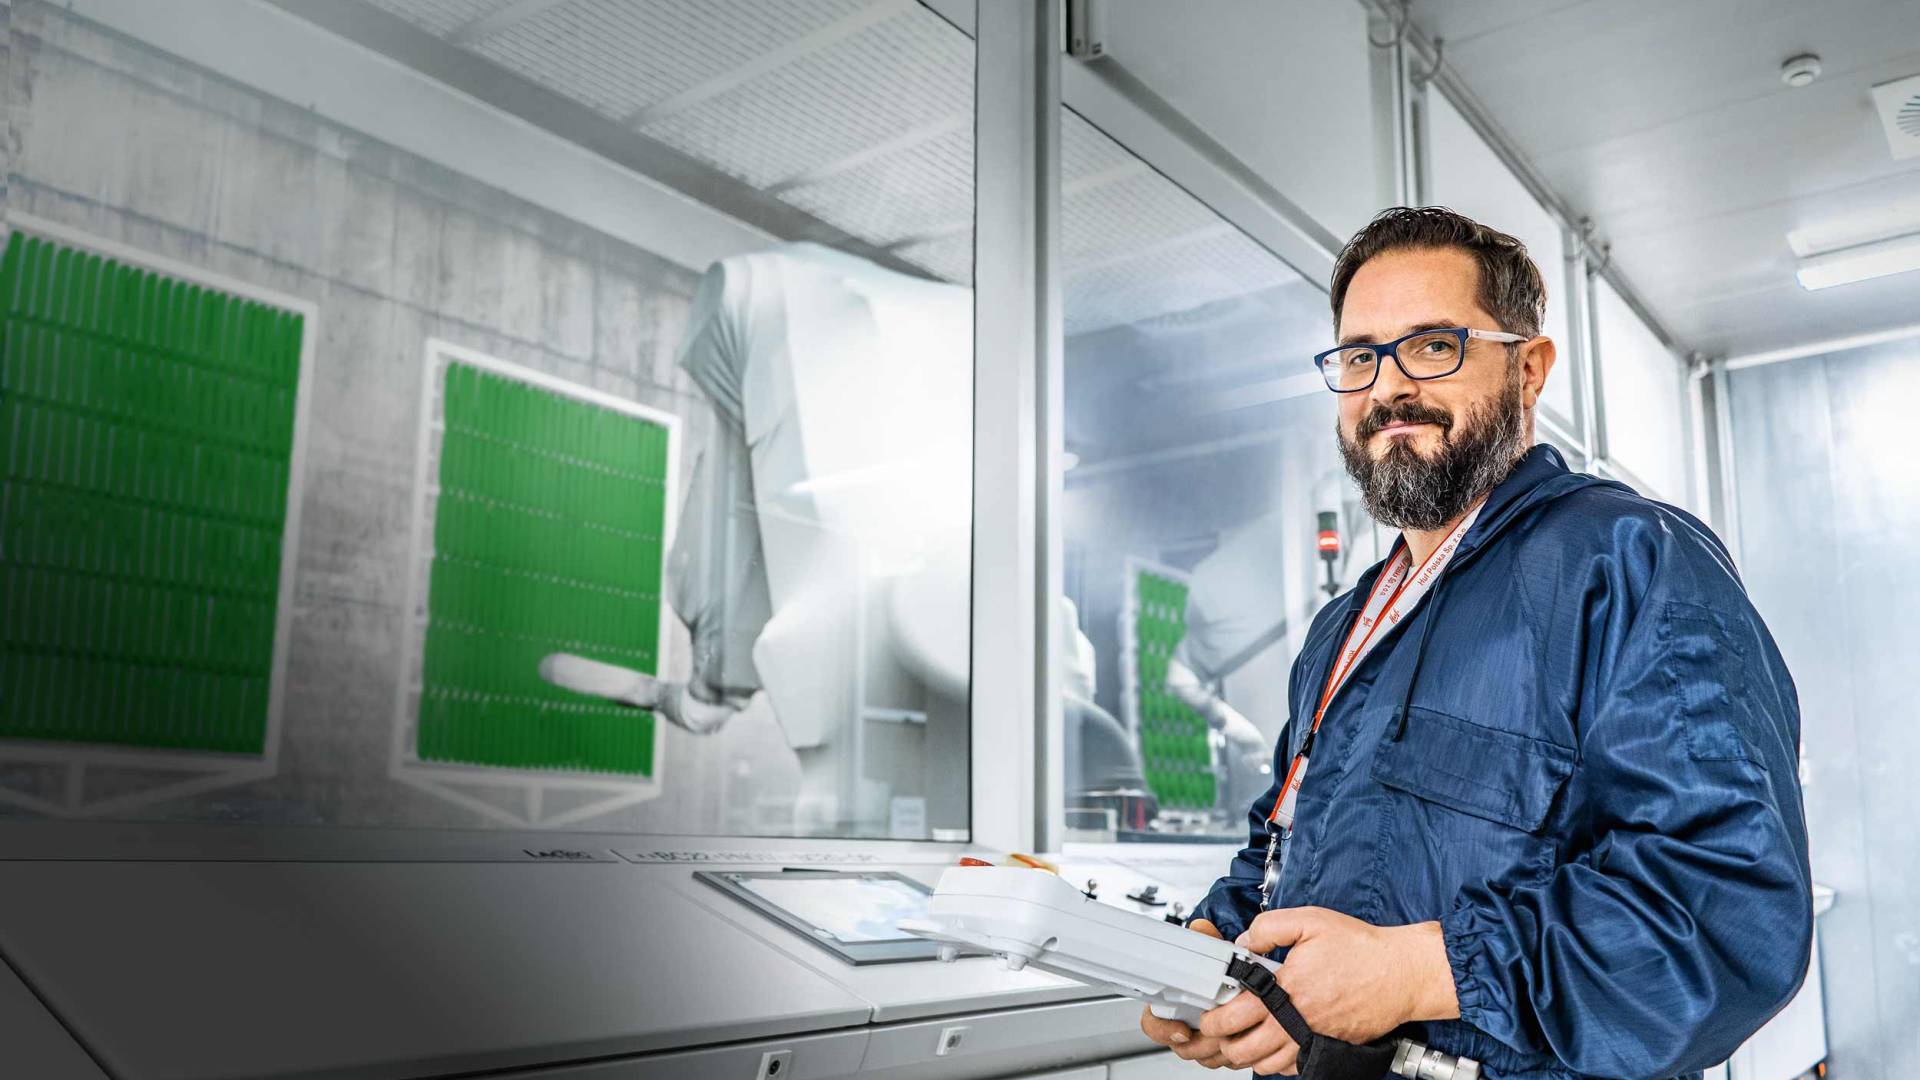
(673, 700)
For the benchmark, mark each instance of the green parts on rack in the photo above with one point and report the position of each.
(547, 537)
(1173, 738)
(146, 430)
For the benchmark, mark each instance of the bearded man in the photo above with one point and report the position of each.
(1537, 804)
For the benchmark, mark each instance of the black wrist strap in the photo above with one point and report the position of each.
(1261, 984)
(1321, 1057)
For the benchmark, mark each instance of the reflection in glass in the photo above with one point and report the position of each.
(1207, 516)
(464, 424)
(822, 557)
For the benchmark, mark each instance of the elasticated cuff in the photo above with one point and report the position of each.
(1463, 931)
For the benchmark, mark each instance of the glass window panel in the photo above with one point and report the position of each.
(1211, 66)
(1576, 460)
(474, 494)
(1468, 176)
(1202, 455)
(1644, 390)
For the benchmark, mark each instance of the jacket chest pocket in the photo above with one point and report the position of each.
(1466, 805)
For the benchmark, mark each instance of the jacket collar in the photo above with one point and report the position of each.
(1541, 476)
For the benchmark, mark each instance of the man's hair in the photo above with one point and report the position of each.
(1511, 289)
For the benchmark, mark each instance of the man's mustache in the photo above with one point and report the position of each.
(1381, 416)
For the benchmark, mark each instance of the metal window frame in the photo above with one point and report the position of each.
(1712, 406)
(1016, 738)
(1595, 404)
(1023, 79)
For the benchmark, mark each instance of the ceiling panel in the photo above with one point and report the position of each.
(859, 114)
(949, 257)
(1185, 273)
(920, 190)
(909, 72)
(1797, 145)
(621, 56)
(1605, 68)
(440, 17)
(1668, 124)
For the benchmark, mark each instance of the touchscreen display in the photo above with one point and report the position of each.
(852, 910)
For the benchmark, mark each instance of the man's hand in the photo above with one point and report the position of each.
(1350, 979)
(1184, 1041)
(1250, 1038)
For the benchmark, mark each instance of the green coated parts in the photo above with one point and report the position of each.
(1177, 759)
(146, 428)
(547, 537)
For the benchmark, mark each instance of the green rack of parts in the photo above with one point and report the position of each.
(547, 537)
(1173, 737)
(146, 427)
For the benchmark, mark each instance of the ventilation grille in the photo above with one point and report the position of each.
(1898, 103)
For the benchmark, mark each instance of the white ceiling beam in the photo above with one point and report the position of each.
(1072, 267)
(1090, 182)
(1186, 452)
(344, 80)
(1126, 170)
(766, 63)
(513, 13)
(1822, 348)
(919, 136)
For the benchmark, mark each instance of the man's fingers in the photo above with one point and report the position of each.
(1236, 1016)
(1259, 1044)
(1164, 1032)
(1285, 1062)
(1271, 930)
(1200, 1050)
(1205, 927)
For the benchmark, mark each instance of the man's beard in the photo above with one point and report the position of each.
(1406, 491)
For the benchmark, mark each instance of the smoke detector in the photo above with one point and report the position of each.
(1898, 104)
(1800, 70)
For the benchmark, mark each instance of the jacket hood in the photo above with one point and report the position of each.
(1541, 477)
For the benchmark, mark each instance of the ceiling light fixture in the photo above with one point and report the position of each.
(1896, 255)
(1800, 70)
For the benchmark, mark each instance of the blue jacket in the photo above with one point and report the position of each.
(1594, 789)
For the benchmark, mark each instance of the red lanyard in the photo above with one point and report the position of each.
(1398, 591)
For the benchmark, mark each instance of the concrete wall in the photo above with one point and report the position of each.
(135, 146)
(1829, 508)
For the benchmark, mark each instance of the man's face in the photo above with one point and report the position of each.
(1425, 449)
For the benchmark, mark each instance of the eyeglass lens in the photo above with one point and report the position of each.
(1423, 356)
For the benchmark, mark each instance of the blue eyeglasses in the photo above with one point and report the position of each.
(1423, 354)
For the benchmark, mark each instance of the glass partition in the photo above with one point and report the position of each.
(1643, 392)
(563, 421)
(1464, 173)
(1206, 514)
(1576, 458)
